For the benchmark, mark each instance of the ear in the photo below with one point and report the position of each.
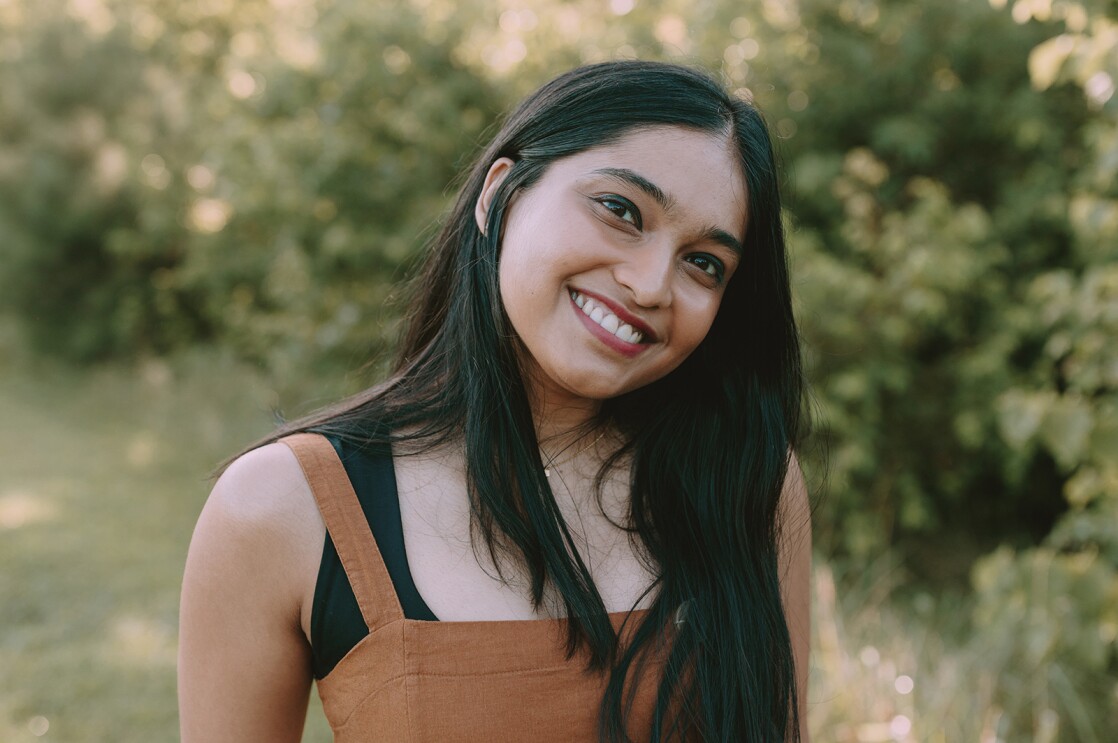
(497, 172)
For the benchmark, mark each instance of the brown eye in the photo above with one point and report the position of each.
(621, 208)
(709, 265)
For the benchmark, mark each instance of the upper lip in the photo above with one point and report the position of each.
(624, 315)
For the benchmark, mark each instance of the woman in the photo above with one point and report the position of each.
(581, 467)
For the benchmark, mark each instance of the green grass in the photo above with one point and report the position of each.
(102, 475)
(886, 669)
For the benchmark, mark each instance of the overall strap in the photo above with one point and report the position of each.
(345, 521)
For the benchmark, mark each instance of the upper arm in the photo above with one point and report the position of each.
(244, 658)
(795, 577)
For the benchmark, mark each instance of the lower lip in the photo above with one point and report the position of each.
(625, 348)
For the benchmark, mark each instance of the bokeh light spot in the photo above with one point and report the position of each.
(110, 167)
(241, 84)
(245, 44)
(19, 508)
(621, 7)
(671, 31)
(396, 60)
(94, 14)
(155, 171)
(1099, 87)
(210, 215)
(38, 725)
(797, 100)
(200, 177)
(741, 27)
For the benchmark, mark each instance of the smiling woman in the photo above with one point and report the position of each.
(573, 511)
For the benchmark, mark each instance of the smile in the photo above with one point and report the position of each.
(605, 319)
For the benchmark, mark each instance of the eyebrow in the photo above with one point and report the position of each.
(667, 203)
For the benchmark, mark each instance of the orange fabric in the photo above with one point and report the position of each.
(441, 682)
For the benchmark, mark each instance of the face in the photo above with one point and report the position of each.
(613, 265)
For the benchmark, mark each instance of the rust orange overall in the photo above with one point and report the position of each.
(413, 681)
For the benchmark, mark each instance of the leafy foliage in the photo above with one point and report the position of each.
(255, 173)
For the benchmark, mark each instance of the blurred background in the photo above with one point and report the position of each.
(206, 209)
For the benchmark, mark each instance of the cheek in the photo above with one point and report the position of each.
(512, 264)
(697, 322)
(511, 286)
(522, 288)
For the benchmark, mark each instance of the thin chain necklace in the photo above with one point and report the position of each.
(550, 462)
(596, 554)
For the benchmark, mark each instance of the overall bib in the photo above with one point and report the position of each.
(413, 681)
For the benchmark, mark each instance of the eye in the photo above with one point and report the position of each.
(621, 208)
(709, 265)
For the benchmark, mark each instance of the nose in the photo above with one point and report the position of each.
(647, 274)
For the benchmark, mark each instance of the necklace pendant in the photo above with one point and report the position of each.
(547, 472)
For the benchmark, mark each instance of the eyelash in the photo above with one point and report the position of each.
(719, 274)
(626, 206)
(612, 201)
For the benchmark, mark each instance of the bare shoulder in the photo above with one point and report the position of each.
(795, 504)
(265, 491)
(795, 577)
(261, 518)
(244, 657)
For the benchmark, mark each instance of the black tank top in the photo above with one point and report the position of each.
(336, 621)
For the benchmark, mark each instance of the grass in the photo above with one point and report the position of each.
(894, 670)
(103, 473)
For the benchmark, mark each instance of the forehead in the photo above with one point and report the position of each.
(699, 172)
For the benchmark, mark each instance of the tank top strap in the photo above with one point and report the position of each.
(348, 529)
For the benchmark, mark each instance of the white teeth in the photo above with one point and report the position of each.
(607, 319)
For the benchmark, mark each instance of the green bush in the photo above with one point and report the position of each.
(256, 174)
(1047, 631)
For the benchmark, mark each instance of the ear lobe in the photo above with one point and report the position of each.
(497, 172)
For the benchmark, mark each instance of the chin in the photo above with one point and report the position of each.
(589, 387)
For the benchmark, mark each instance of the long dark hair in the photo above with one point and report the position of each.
(709, 443)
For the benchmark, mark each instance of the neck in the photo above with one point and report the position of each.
(562, 418)
(559, 415)
(562, 425)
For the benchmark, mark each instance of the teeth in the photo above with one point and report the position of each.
(607, 319)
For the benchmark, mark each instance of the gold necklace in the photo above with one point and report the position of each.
(550, 461)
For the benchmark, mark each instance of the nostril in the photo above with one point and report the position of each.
(648, 285)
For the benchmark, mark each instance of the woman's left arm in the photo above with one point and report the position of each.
(795, 578)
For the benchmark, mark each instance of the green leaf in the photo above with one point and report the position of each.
(1020, 415)
(1048, 58)
(1066, 430)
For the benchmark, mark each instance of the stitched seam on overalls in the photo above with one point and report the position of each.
(407, 686)
(482, 674)
(367, 697)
